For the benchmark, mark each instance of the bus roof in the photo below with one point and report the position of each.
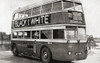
(40, 4)
(33, 5)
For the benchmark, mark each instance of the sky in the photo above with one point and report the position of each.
(91, 10)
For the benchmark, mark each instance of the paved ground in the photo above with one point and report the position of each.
(7, 57)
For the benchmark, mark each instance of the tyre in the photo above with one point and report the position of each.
(45, 55)
(15, 50)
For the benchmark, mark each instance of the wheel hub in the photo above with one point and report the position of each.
(45, 55)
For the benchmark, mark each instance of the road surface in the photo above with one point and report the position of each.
(7, 57)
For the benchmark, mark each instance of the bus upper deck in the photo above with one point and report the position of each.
(46, 8)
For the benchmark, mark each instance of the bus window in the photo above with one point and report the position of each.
(16, 16)
(78, 7)
(15, 34)
(68, 5)
(46, 8)
(21, 14)
(57, 6)
(46, 34)
(28, 13)
(20, 34)
(71, 33)
(35, 34)
(81, 33)
(36, 11)
(58, 34)
(27, 34)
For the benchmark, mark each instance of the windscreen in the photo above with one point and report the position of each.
(71, 33)
(75, 33)
(77, 16)
(81, 33)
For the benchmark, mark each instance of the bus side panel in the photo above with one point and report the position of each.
(18, 45)
(57, 18)
(38, 48)
(24, 47)
(40, 45)
(65, 15)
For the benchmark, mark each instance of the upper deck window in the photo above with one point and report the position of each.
(16, 16)
(46, 8)
(21, 14)
(78, 7)
(68, 5)
(57, 6)
(36, 11)
(72, 5)
(28, 13)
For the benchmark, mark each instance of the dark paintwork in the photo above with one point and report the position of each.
(59, 50)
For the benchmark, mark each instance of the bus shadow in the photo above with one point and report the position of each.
(40, 61)
(55, 61)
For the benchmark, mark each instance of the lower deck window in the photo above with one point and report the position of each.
(20, 34)
(46, 34)
(58, 34)
(35, 34)
(15, 34)
(27, 34)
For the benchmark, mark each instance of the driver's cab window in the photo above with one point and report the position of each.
(71, 33)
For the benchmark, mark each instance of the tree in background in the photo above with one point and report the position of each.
(91, 41)
(4, 38)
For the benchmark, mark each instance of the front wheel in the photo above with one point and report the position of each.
(15, 50)
(46, 55)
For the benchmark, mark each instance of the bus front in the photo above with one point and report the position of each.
(75, 31)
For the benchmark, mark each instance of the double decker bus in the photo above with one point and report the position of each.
(54, 30)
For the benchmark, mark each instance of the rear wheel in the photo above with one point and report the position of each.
(46, 55)
(15, 50)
